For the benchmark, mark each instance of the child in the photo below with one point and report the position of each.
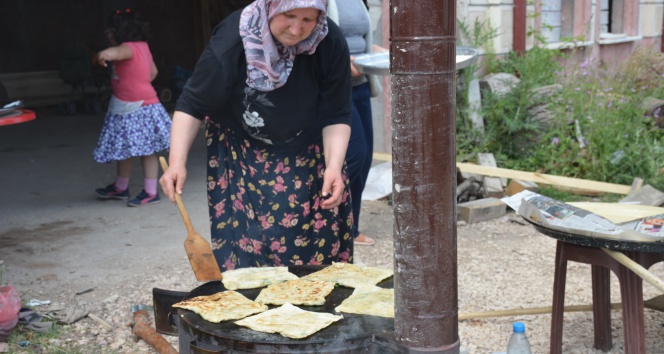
(136, 123)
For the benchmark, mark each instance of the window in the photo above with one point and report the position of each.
(557, 20)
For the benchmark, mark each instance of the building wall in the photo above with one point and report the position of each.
(635, 23)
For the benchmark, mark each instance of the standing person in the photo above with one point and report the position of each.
(274, 82)
(136, 123)
(355, 24)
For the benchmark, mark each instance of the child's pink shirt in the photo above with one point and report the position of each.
(131, 80)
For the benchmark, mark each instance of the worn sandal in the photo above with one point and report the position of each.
(368, 241)
(33, 320)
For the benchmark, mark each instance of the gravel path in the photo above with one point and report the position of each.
(502, 265)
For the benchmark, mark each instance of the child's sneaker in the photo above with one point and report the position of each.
(110, 192)
(144, 198)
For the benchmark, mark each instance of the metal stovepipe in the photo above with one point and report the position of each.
(423, 70)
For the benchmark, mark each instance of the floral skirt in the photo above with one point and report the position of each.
(265, 206)
(142, 132)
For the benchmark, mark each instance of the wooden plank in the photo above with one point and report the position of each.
(619, 213)
(540, 178)
(546, 179)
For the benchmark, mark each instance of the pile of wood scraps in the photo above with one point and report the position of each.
(481, 186)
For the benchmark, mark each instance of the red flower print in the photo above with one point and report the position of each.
(219, 208)
(237, 204)
(319, 224)
(228, 265)
(277, 260)
(306, 209)
(335, 248)
(275, 245)
(265, 222)
(257, 246)
(279, 187)
(223, 183)
(280, 167)
(286, 221)
(259, 156)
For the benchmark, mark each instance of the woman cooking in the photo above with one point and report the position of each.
(274, 84)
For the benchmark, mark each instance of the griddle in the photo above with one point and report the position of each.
(349, 335)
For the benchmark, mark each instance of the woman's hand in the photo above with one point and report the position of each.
(335, 142)
(333, 188)
(172, 181)
(353, 69)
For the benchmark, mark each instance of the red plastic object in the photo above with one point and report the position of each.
(17, 116)
(10, 305)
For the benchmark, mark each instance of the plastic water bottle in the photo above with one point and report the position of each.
(518, 343)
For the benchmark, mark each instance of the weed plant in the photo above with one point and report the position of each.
(596, 128)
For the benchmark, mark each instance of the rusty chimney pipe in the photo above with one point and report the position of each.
(423, 72)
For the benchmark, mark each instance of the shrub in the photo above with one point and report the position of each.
(598, 130)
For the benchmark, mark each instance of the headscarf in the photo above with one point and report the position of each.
(270, 63)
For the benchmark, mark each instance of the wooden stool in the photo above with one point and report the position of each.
(631, 292)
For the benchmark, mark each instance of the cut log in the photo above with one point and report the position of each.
(481, 210)
(517, 185)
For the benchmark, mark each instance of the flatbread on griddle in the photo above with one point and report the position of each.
(222, 306)
(257, 277)
(296, 292)
(351, 275)
(369, 300)
(289, 321)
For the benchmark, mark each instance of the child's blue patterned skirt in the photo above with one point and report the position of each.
(142, 132)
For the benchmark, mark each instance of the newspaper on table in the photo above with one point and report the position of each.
(553, 214)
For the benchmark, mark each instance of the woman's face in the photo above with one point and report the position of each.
(291, 27)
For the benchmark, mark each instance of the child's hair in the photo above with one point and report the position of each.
(127, 26)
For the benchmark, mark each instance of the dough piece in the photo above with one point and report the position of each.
(296, 292)
(289, 321)
(222, 306)
(350, 275)
(251, 278)
(369, 300)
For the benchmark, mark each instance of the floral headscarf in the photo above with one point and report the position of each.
(270, 63)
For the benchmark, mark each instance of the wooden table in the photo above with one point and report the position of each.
(588, 250)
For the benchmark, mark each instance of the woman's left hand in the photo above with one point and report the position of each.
(335, 142)
(333, 189)
(353, 69)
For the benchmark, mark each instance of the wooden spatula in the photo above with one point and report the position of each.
(198, 249)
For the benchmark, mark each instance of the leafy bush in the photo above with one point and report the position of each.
(597, 129)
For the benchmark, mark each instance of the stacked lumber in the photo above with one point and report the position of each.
(481, 186)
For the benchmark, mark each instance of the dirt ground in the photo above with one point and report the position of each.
(59, 243)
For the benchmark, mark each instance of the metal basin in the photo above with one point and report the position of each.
(379, 63)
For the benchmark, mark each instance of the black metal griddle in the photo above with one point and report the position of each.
(352, 334)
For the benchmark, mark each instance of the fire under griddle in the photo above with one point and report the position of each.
(352, 334)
